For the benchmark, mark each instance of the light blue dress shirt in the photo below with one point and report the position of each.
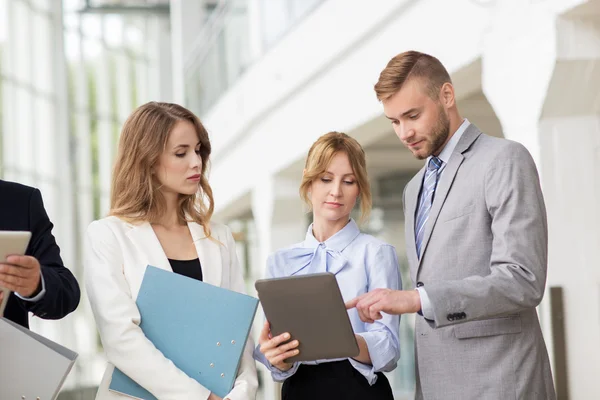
(360, 263)
(445, 154)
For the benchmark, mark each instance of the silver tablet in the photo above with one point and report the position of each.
(11, 243)
(311, 309)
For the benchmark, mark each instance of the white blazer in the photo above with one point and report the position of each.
(116, 257)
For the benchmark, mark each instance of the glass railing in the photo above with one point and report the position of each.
(233, 38)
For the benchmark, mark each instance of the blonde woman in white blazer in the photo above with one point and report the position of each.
(161, 206)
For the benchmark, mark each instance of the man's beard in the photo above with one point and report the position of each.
(439, 134)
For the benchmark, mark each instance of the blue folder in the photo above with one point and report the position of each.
(200, 327)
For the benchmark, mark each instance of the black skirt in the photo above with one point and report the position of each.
(332, 381)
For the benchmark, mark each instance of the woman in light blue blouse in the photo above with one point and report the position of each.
(334, 179)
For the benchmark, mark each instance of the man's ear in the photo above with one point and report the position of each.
(447, 95)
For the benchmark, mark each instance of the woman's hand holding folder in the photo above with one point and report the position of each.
(215, 397)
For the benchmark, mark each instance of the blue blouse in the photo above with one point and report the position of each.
(360, 263)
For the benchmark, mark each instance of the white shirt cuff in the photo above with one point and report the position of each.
(425, 304)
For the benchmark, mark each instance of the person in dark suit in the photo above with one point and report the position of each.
(39, 281)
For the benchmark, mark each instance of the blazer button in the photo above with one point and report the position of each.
(463, 315)
(419, 284)
(450, 317)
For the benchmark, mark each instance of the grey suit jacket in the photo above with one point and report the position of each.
(483, 266)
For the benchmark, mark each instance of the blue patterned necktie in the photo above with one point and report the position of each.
(426, 200)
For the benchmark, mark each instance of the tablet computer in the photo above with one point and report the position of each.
(311, 308)
(11, 243)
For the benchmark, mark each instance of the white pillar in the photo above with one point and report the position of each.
(540, 74)
(104, 121)
(570, 157)
(518, 61)
(187, 21)
(158, 48)
(83, 213)
(65, 190)
(280, 220)
(255, 41)
(281, 217)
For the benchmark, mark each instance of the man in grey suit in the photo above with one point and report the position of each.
(476, 238)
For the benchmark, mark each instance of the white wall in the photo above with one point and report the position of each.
(537, 65)
(571, 147)
(320, 77)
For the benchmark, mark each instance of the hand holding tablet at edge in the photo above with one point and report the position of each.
(275, 349)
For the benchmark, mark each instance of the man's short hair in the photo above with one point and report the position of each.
(411, 65)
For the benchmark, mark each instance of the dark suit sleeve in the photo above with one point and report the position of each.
(62, 290)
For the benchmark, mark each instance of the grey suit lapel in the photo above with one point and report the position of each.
(445, 183)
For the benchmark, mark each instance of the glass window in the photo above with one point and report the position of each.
(275, 19)
(45, 135)
(91, 26)
(42, 5)
(227, 51)
(24, 161)
(20, 28)
(3, 21)
(278, 16)
(42, 49)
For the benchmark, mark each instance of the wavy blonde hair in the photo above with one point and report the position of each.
(319, 157)
(135, 194)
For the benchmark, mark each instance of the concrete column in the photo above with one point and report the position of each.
(86, 372)
(65, 190)
(517, 64)
(570, 157)
(540, 69)
(254, 29)
(280, 220)
(18, 149)
(104, 107)
(279, 214)
(53, 166)
(187, 21)
(158, 47)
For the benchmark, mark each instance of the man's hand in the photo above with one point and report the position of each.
(21, 274)
(370, 305)
(274, 351)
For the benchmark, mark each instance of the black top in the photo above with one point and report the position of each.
(22, 209)
(189, 268)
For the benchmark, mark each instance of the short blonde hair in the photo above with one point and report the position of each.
(135, 194)
(319, 157)
(409, 65)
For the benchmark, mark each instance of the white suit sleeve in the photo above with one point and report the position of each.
(117, 318)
